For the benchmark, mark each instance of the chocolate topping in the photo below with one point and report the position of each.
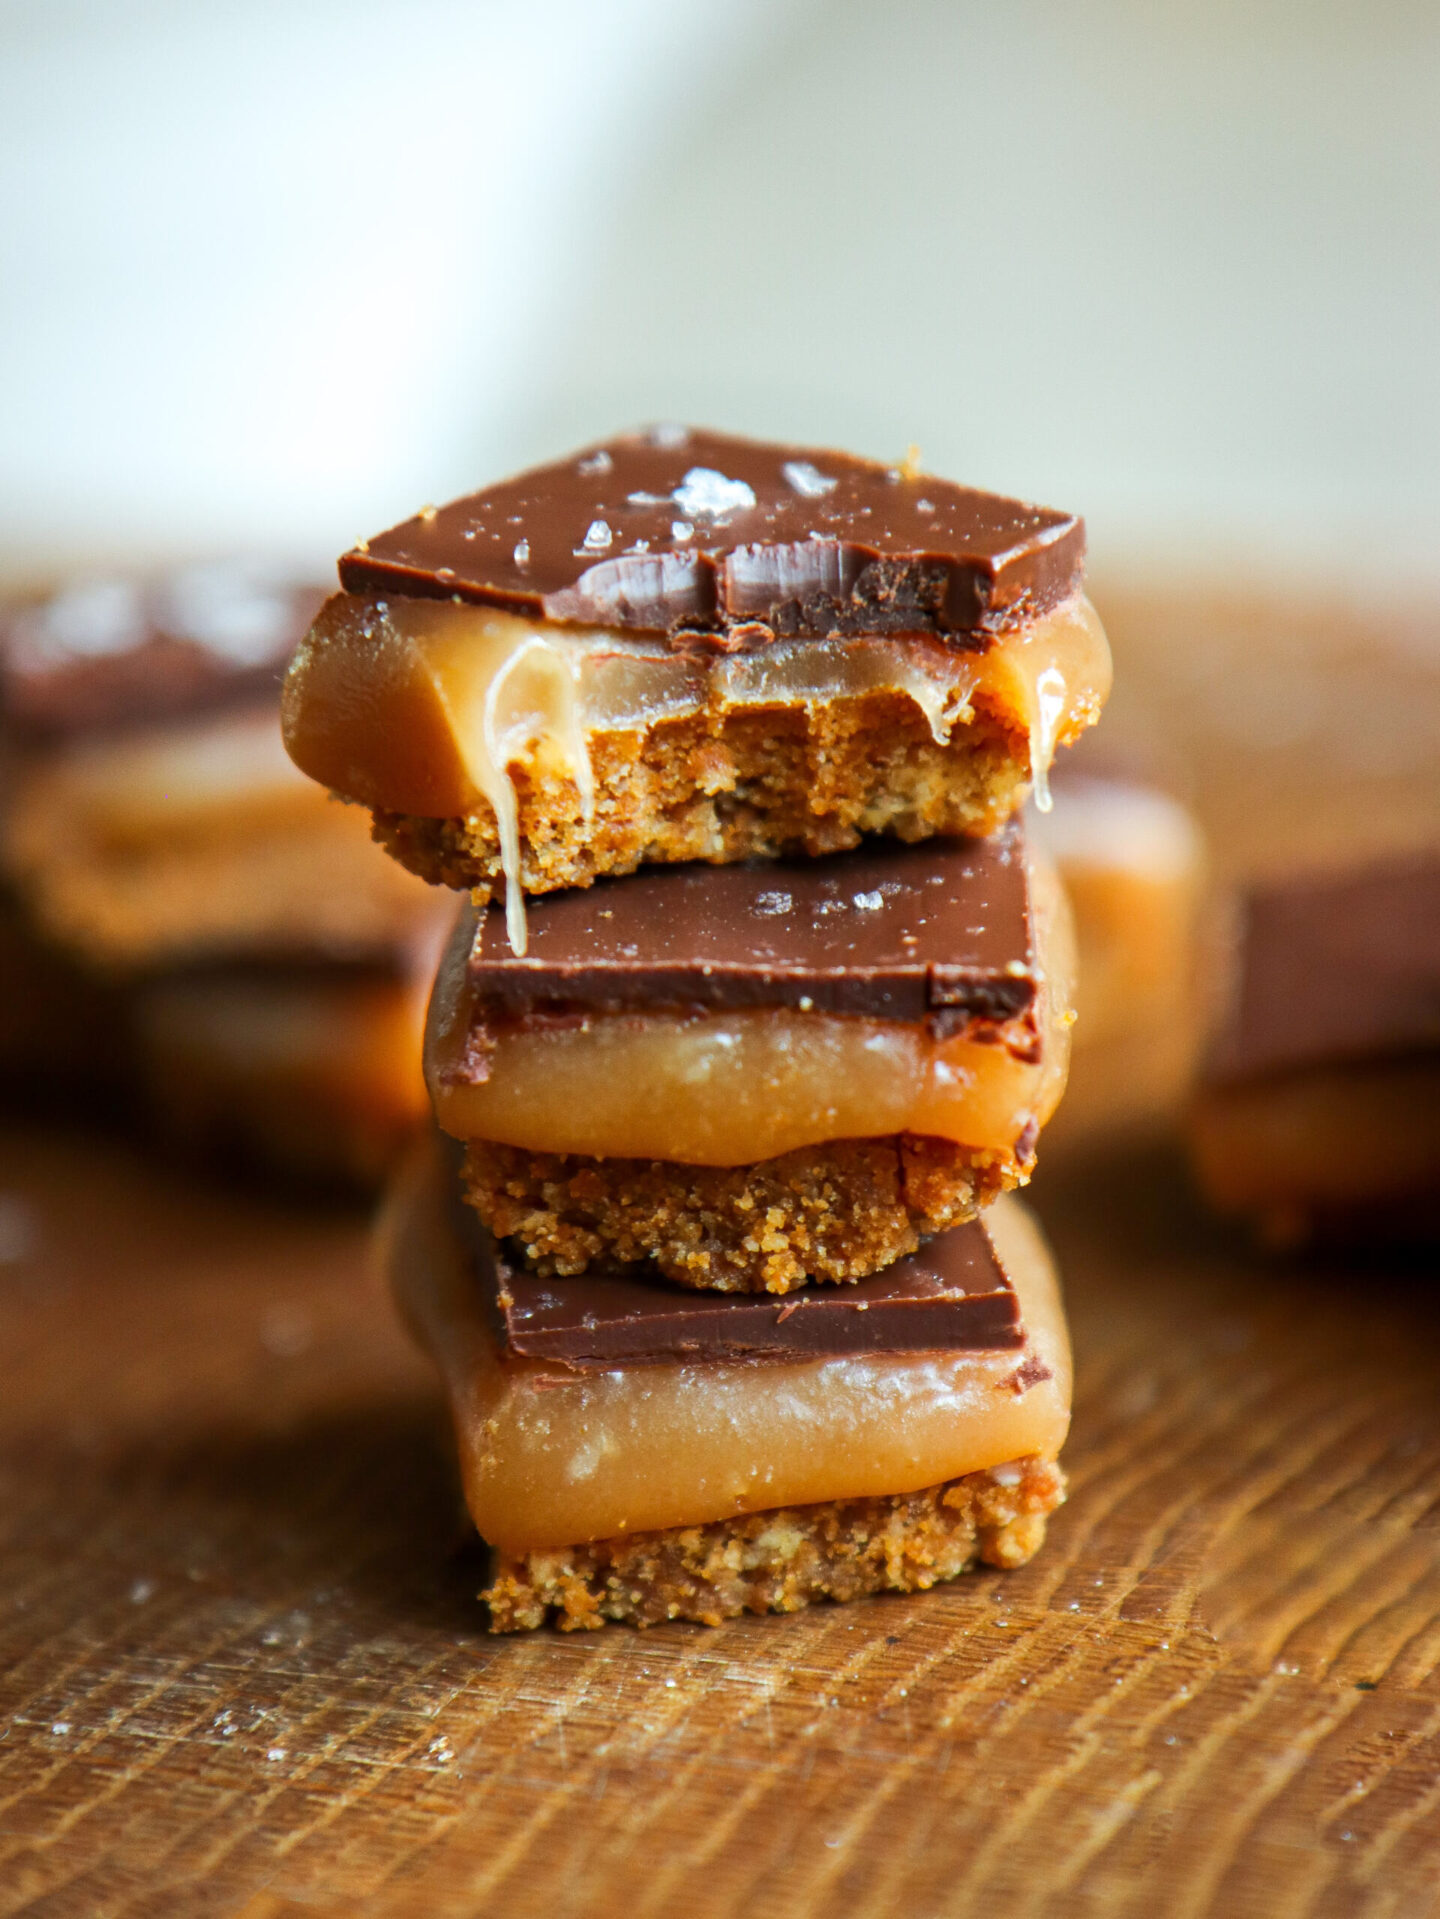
(112, 653)
(940, 931)
(712, 538)
(952, 1296)
(1333, 970)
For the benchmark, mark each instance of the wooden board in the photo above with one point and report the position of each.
(241, 1668)
(243, 1672)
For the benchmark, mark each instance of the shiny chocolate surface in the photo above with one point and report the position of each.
(952, 1296)
(717, 540)
(939, 931)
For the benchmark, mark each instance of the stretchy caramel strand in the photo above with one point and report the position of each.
(832, 1212)
(490, 747)
(783, 1561)
(552, 1459)
(733, 1086)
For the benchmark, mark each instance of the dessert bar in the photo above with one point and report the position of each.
(210, 931)
(686, 646)
(152, 815)
(637, 1453)
(758, 1074)
(758, 1008)
(307, 1067)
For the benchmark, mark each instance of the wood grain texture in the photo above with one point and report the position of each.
(243, 1673)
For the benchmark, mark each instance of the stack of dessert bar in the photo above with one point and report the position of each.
(186, 924)
(765, 1018)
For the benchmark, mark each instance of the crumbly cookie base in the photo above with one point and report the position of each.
(831, 1212)
(725, 786)
(780, 1561)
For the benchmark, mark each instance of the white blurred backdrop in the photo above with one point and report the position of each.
(279, 272)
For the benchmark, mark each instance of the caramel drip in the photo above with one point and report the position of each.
(425, 706)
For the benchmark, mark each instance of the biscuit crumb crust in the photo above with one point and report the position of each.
(783, 1560)
(836, 1211)
(731, 785)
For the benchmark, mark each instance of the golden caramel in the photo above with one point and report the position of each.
(731, 1087)
(551, 1458)
(422, 706)
(430, 709)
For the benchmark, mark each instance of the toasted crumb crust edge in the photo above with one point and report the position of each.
(783, 1560)
(836, 1211)
(747, 783)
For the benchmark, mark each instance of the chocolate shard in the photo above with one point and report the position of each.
(720, 541)
(940, 931)
(954, 1295)
(105, 654)
(1338, 968)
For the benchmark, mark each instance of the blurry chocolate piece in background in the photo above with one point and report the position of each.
(1320, 1103)
(184, 913)
(1292, 725)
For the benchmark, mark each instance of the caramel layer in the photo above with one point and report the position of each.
(424, 707)
(549, 1459)
(727, 1088)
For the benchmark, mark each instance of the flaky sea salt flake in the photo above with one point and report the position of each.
(807, 480)
(705, 494)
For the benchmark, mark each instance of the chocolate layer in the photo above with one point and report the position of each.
(952, 1296)
(1338, 969)
(704, 536)
(111, 653)
(940, 931)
